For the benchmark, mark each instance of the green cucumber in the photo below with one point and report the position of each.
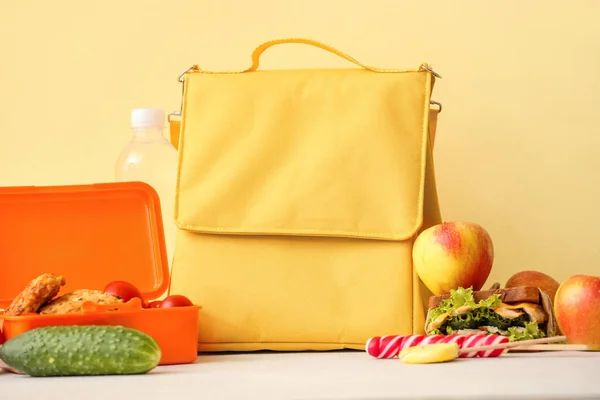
(81, 350)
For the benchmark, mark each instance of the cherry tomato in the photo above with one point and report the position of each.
(176, 300)
(154, 304)
(124, 290)
(1, 337)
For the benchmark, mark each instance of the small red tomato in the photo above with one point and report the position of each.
(176, 300)
(124, 290)
(1, 337)
(154, 304)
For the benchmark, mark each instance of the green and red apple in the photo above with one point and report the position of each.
(453, 254)
(577, 310)
(537, 279)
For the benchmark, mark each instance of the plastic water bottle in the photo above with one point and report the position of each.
(149, 157)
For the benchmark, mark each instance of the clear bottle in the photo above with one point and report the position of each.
(149, 157)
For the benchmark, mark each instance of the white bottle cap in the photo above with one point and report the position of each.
(147, 117)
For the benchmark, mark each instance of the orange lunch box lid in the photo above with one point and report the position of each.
(90, 234)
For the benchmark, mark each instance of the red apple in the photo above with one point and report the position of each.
(536, 279)
(577, 310)
(453, 254)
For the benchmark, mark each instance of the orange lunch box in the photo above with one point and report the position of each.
(92, 235)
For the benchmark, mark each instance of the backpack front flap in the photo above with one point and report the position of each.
(299, 194)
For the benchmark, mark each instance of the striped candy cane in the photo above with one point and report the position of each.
(386, 347)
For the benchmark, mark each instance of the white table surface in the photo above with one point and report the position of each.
(333, 375)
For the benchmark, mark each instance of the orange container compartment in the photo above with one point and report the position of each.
(92, 235)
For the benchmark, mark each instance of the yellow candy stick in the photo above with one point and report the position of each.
(429, 354)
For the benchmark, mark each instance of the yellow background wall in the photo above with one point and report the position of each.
(518, 147)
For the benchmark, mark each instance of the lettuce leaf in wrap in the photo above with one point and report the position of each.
(528, 332)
